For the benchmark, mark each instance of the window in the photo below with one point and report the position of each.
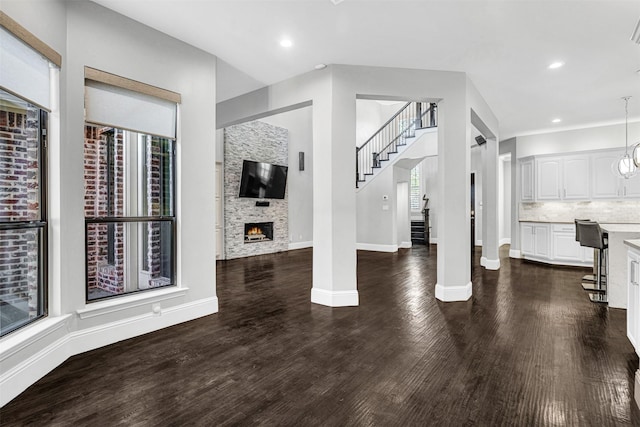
(129, 211)
(28, 68)
(129, 181)
(415, 188)
(23, 219)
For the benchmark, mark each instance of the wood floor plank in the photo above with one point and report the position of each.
(528, 349)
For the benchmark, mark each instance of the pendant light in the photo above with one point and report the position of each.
(625, 166)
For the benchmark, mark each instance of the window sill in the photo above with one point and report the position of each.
(27, 335)
(126, 302)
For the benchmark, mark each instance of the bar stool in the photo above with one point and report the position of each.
(589, 278)
(591, 236)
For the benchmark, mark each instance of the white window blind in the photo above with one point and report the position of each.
(23, 70)
(126, 109)
(415, 188)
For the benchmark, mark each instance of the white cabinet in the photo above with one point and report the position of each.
(553, 243)
(548, 178)
(585, 176)
(564, 244)
(604, 183)
(534, 240)
(631, 187)
(575, 177)
(633, 302)
(526, 180)
(563, 178)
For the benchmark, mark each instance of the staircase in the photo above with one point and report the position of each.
(417, 233)
(393, 135)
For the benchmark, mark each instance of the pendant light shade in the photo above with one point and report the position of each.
(635, 155)
(626, 166)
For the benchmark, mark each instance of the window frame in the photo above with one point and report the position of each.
(112, 219)
(41, 224)
(417, 167)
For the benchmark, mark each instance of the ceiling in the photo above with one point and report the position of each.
(504, 46)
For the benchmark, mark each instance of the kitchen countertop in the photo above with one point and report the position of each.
(607, 226)
(621, 228)
(633, 243)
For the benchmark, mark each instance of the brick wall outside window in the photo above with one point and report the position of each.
(100, 274)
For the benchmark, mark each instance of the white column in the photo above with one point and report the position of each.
(334, 200)
(454, 207)
(490, 206)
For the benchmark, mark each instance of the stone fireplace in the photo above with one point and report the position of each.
(257, 141)
(258, 232)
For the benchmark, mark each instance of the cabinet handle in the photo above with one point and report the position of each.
(624, 191)
(632, 273)
(565, 193)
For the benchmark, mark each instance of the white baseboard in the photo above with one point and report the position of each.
(505, 241)
(478, 242)
(300, 245)
(334, 298)
(514, 253)
(453, 293)
(490, 264)
(483, 260)
(405, 245)
(16, 379)
(433, 240)
(376, 248)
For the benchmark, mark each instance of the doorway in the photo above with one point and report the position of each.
(473, 216)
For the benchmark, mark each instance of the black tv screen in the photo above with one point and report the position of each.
(263, 180)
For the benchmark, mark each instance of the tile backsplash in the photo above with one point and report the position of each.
(605, 211)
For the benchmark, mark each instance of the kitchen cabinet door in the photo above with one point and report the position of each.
(575, 178)
(526, 180)
(631, 187)
(604, 183)
(526, 239)
(548, 178)
(541, 241)
(565, 247)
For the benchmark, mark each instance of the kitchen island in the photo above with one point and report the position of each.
(617, 279)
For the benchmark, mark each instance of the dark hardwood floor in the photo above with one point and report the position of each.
(528, 349)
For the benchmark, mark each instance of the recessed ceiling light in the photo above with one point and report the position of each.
(556, 120)
(555, 65)
(320, 66)
(286, 43)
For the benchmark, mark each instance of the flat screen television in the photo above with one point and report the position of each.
(263, 180)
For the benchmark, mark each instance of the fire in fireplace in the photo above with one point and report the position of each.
(258, 232)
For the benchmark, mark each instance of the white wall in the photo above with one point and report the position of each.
(403, 214)
(430, 180)
(505, 200)
(300, 183)
(594, 138)
(476, 168)
(89, 35)
(371, 115)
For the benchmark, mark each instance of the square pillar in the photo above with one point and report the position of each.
(454, 207)
(334, 200)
